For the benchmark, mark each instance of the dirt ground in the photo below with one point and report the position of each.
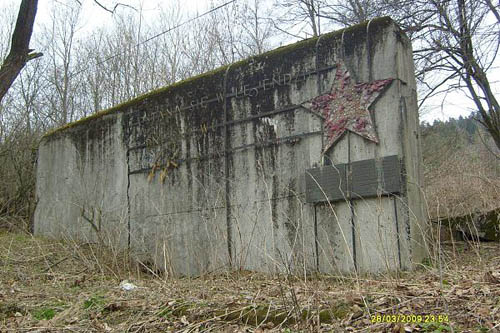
(56, 286)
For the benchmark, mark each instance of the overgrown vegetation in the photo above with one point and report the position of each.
(39, 291)
(461, 168)
(17, 188)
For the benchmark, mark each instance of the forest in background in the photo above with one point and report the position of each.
(461, 168)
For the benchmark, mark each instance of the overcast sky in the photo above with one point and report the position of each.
(93, 16)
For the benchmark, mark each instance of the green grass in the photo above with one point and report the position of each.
(436, 327)
(93, 302)
(44, 313)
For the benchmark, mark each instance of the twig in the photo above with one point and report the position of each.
(55, 264)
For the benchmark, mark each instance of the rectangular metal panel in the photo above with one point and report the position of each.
(391, 182)
(326, 183)
(364, 179)
(367, 179)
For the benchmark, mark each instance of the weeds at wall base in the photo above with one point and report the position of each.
(81, 294)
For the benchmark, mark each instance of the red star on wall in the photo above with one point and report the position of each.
(345, 107)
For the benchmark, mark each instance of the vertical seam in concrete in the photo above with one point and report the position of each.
(128, 199)
(404, 177)
(397, 231)
(226, 173)
(370, 79)
(318, 74)
(378, 160)
(368, 48)
(351, 201)
(349, 178)
(319, 89)
(403, 153)
(316, 240)
(342, 47)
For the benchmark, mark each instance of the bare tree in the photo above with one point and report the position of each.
(60, 39)
(299, 17)
(170, 52)
(256, 26)
(465, 55)
(94, 84)
(8, 17)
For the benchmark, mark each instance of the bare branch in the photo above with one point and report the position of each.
(114, 8)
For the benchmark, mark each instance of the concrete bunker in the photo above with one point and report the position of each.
(303, 158)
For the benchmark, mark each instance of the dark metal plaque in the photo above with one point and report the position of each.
(391, 182)
(364, 179)
(327, 183)
(360, 179)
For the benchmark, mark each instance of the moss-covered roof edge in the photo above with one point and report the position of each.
(376, 22)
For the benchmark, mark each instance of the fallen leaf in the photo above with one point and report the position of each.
(184, 320)
(491, 277)
(398, 328)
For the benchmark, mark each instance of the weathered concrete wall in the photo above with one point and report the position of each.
(82, 173)
(209, 173)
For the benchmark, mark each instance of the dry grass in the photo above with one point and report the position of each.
(462, 182)
(51, 286)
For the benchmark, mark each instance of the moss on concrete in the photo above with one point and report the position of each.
(376, 25)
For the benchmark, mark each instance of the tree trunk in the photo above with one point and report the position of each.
(19, 53)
